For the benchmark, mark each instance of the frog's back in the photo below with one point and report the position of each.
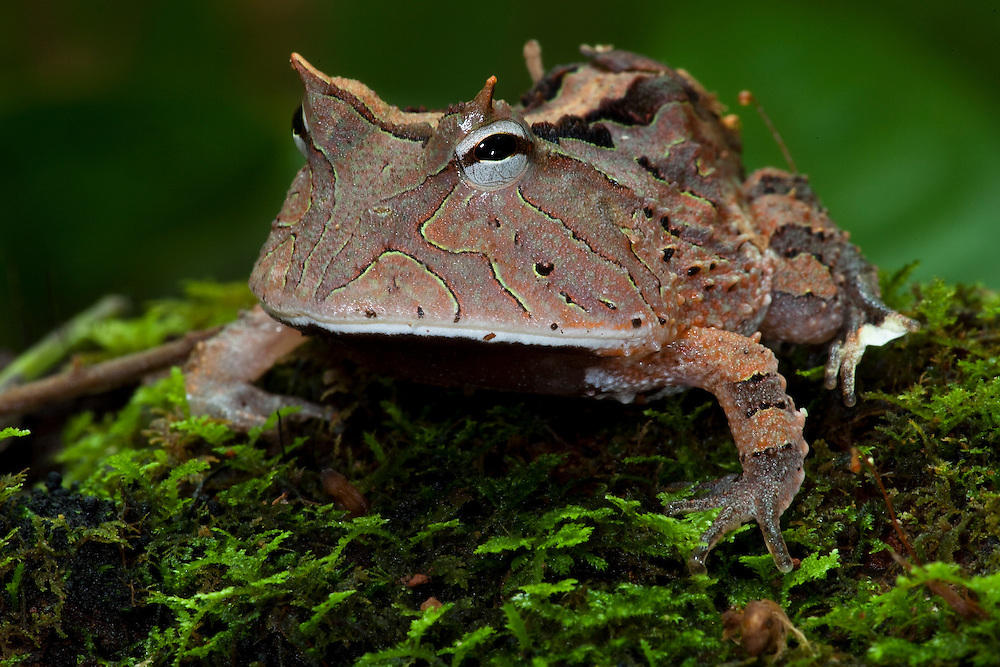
(661, 135)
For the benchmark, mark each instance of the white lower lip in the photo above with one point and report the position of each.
(589, 340)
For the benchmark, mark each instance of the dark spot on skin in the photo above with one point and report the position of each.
(636, 322)
(517, 239)
(546, 131)
(547, 88)
(544, 268)
(663, 321)
(457, 318)
(574, 127)
(667, 254)
(680, 168)
(795, 185)
(693, 271)
(420, 312)
(370, 314)
(646, 164)
(710, 286)
(643, 99)
(554, 326)
(793, 240)
(759, 392)
(765, 406)
(567, 298)
(648, 211)
(665, 223)
(496, 222)
(711, 267)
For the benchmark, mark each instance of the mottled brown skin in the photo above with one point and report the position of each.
(598, 240)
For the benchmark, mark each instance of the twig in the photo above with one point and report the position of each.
(892, 512)
(747, 98)
(100, 377)
(44, 354)
(961, 602)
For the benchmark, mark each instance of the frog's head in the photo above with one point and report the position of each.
(463, 223)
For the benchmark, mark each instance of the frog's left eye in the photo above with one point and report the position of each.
(300, 132)
(495, 155)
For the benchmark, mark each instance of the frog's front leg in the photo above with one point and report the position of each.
(219, 373)
(742, 374)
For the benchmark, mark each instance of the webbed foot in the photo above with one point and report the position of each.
(770, 479)
(868, 321)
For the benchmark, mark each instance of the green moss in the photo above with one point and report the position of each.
(204, 305)
(535, 524)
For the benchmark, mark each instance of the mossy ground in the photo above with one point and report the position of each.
(509, 529)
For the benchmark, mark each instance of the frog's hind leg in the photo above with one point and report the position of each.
(767, 428)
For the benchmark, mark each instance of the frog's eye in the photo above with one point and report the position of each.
(300, 132)
(495, 155)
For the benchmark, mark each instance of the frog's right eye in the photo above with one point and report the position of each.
(300, 132)
(495, 155)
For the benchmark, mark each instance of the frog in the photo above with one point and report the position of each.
(598, 238)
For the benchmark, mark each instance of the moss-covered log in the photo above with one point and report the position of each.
(508, 529)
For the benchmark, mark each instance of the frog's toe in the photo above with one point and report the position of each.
(770, 480)
(245, 406)
(871, 323)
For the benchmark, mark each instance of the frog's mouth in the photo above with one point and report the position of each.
(596, 341)
(457, 361)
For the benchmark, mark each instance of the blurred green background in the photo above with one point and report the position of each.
(144, 143)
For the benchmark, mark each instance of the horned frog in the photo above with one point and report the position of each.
(598, 239)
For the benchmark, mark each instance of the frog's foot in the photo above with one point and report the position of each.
(245, 406)
(868, 321)
(219, 373)
(770, 479)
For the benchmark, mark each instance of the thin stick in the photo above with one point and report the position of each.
(746, 98)
(100, 377)
(46, 353)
